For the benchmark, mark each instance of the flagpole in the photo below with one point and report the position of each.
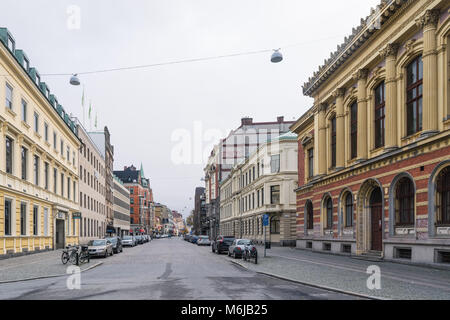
(84, 111)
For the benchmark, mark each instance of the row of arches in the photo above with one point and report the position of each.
(370, 198)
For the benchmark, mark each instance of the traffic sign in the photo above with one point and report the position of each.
(265, 220)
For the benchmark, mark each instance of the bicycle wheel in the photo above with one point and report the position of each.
(64, 257)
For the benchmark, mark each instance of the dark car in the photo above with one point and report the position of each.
(139, 239)
(117, 244)
(187, 237)
(221, 244)
(193, 239)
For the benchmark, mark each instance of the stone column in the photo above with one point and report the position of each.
(391, 111)
(430, 80)
(340, 127)
(361, 76)
(321, 153)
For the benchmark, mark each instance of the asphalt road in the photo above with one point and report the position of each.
(167, 269)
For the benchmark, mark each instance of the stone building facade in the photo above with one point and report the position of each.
(263, 184)
(38, 160)
(374, 149)
(121, 208)
(92, 188)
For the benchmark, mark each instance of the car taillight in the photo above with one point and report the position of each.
(238, 249)
(253, 249)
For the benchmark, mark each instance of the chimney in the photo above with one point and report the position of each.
(280, 119)
(246, 121)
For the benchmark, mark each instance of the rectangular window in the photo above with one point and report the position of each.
(62, 148)
(9, 154)
(354, 130)
(46, 167)
(275, 163)
(68, 153)
(9, 96)
(23, 219)
(24, 157)
(74, 191)
(55, 180)
(379, 115)
(414, 88)
(8, 217)
(36, 170)
(275, 194)
(333, 142)
(62, 184)
(46, 132)
(35, 220)
(36, 122)
(24, 111)
(311, 163)
(68, 187)
(54, 140)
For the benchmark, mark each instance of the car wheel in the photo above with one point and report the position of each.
(106, 254)
(212, 249)
(229, 253)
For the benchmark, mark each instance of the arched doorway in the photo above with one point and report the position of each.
(376, 205)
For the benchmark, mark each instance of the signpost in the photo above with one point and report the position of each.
(265, 224)
(76, 215)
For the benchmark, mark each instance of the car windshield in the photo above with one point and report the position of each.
(127, 238)
(204, 238)
(244, 242)
(95, 243)
(112, 240)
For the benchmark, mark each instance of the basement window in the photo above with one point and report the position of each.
(327, 247)
(346, 248)
(403, 253)
(309, 245)
(443, 256)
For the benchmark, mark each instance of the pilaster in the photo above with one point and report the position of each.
(361, 76)
(340, 138)
(322, 149)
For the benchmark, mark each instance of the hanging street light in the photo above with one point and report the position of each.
(276, 56)
(74, 80)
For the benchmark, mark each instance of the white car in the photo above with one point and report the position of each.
(203, 241)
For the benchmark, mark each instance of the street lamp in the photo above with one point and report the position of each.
(74, 80)
(276, 56)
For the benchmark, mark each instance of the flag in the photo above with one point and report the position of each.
(90, 109)
(82, 98)
(96, 120)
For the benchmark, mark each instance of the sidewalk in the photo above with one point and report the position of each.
(41, 265)
(345, 274)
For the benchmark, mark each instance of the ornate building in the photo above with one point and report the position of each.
(39, 144)
(374, 149)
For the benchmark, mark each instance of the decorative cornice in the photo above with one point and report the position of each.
(390, 50)
(430, 18)
(352, 43)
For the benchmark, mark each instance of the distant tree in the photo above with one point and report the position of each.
(190, 219)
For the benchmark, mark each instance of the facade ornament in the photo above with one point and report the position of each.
(430, 18)
(409, 45)
(361, 74)
(323, 107)
(340, 92)
(390, 50)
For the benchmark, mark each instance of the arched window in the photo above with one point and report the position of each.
(329, 208)
(404, 203)
(379, 115)
(333, 142)
(354, 130)
(349, 210)
(443, 198)
(309, 216)
(414, 88)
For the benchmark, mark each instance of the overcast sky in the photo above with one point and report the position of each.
(144, 108)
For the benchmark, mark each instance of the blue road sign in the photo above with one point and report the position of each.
(265, 220)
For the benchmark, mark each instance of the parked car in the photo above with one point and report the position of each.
(193, 239)
(144, 238)
(117, 244)
(236, 249)
(100, 247)
(129, 241)
(187, 237)
(139, 239)
(158, 236)
(203, 241)
(221, 244)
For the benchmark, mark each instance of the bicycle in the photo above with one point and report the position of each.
(83, 255)
(69, 254)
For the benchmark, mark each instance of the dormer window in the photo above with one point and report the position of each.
(26, 64)
(48, 92)
(11, 44)
(38, 79)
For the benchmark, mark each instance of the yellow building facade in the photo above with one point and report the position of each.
(38, 160)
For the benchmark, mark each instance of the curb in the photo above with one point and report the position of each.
(50, 276)
(360, 295)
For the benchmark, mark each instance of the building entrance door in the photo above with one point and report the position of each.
(59, 234)
(376, 200)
